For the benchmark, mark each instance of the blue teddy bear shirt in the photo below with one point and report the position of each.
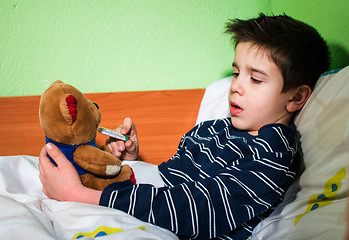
(68, 150)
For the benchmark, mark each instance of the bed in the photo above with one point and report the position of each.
(313, 208)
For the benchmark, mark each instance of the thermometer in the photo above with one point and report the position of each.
(112, 133)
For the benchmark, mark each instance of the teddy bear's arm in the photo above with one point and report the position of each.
(97, 161)
(92, 181)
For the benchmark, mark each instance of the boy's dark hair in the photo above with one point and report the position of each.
(296, 48)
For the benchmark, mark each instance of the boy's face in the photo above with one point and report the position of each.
(255, 97)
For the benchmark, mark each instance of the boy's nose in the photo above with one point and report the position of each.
(236, 86)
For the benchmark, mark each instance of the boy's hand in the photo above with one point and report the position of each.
(125, 150)
(63, 183)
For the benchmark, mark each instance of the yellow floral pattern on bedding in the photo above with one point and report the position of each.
(332, 187)
(101, 231)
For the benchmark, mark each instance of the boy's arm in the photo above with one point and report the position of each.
(207, 208)
(63, 183)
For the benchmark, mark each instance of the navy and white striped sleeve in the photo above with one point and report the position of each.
(212, 207)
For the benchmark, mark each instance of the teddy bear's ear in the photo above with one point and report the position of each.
(68, 107)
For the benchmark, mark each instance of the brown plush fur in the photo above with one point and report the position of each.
(57, 124)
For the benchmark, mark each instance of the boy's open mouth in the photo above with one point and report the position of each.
(235, 109)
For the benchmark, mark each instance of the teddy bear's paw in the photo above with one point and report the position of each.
(112, 170)
(98, 162)
(99, 183)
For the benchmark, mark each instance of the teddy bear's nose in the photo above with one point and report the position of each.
(96, 105)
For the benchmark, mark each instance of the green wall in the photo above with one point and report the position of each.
(131, 45)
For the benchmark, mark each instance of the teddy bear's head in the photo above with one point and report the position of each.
(66, 116)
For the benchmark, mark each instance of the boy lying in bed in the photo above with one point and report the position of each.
(227, 174)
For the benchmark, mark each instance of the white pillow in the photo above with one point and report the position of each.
(214, 104)
(314, 206)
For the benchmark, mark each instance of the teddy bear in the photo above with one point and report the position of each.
(70, 121)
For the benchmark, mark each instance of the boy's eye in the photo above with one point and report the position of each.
(256, 81)
(235, 75)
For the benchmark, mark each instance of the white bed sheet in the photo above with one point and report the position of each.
(26, 213)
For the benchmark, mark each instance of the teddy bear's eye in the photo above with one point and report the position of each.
(96, 105)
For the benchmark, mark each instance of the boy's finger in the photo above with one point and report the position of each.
(127, 126)
(56, 154)
(44, 161)
(128, 121)
(131, 146)
(132, 129)
(111, 144)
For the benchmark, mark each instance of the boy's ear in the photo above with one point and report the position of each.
(300, 97)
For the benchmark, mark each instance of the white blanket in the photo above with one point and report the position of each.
(26, 213)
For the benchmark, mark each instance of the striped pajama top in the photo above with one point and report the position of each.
(220, 183)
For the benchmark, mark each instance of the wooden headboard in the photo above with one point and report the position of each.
(161, 118)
